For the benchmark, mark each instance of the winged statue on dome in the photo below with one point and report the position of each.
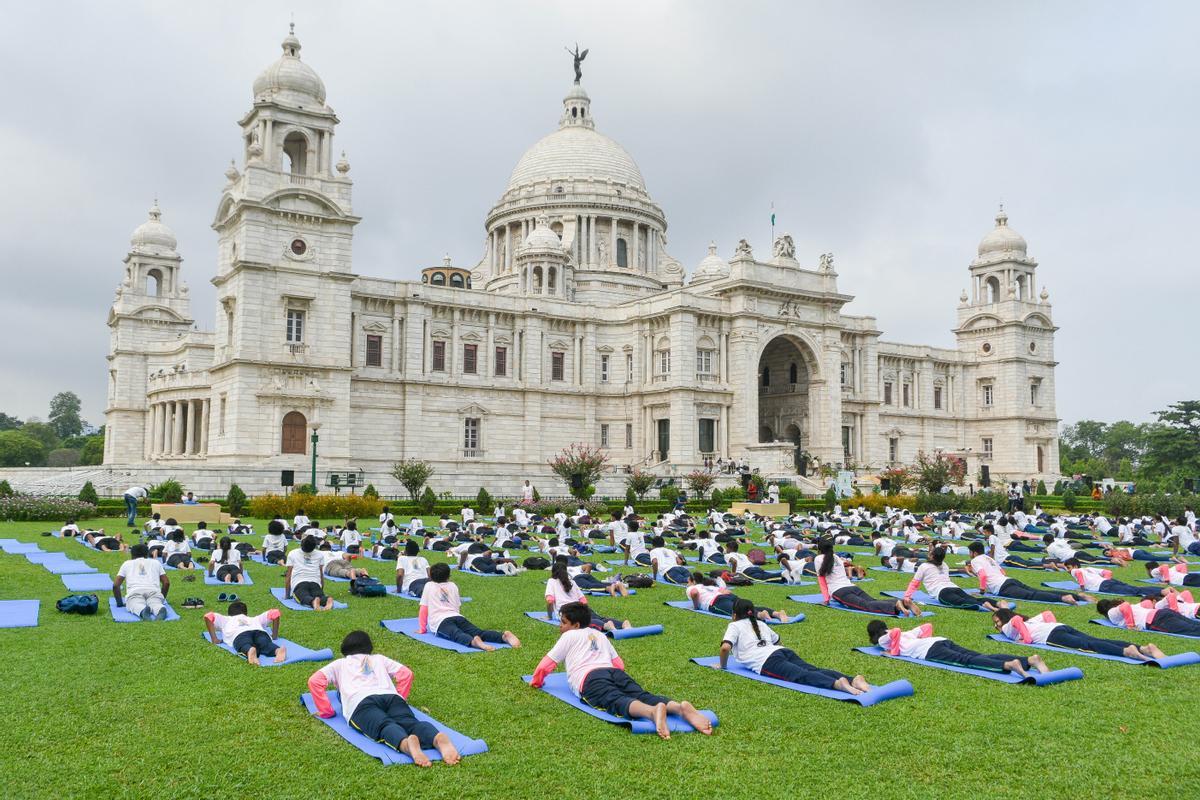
(579, 57)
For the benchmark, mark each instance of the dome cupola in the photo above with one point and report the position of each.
(1002, 240)
(152, 236)
(289, 81)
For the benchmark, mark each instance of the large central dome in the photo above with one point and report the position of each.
(576, 152)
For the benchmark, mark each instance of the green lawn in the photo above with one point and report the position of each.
(97, 709)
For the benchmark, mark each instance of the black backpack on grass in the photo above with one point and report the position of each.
(367, 587)
(536, 562)
(85, 604)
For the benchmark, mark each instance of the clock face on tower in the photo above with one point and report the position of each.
(299, 247)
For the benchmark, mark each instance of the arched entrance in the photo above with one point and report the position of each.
(785, 369)
(796, 438)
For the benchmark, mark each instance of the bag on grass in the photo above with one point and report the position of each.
(536, 562)
(84, 604)
(757, 557)
(639, 581)
(367, 587)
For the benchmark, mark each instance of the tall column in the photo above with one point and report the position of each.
(492, 250)
(612, 241)
(180, 423)
(507, 248)
(524, 230)
(485, 359)
(454, 356)
(168, 444)
(189, 439)
(591, 259)
(204, 412)
(395, 344)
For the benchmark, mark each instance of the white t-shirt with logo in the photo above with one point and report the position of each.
(580, 651)
(306, 567)
(748, 649)
(142, 574)
(415, 568)
(442, 600)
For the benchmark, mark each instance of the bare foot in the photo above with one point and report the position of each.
(511, 640)
(695, 718)
(783, 617)
(1087, 598)
(481, 644)
(1153, 651)
(843, 685)
(328, 603)
(252, 656)
(1069, 599)
(446, 747)
(660, 721)
(626, 624)
(1003, 604)
(411, 747)
(860, 682)
(1015, 666)
(281, 655)
(1038, 664)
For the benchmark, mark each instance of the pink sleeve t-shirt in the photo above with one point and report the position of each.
(556, 595)
(580, 651)
(442, 600)
(358, 677)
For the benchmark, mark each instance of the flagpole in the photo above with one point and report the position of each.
(772, 226)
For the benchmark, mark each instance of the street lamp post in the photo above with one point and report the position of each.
(315, 426)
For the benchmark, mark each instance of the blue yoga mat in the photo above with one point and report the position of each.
(295, 652)
(288, 602)
(930, 600)
(41, 556)
(556, 686)
(1157, 582)
(87, 582)
(877, 694)
(1034, 679)
(68, 566)
(1108, 624)
(211, 580)
(16, 547)
(120, 614)
(619, 633)
(391, 590)
(686, 605)
(408, 627)
(1180, 660)
(819, 600)
(1072, 586)
(481, 574)
(19, 613)
(465, 745)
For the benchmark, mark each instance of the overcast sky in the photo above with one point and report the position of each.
(884, 132)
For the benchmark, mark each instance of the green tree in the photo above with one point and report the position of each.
(64, 414)
(1173, 443)
(236, 500)
(88, 494)
(8, 423)
(43, 433)
(18, 449)
(92, 453)
(412, 473)
(579, 466)
(639, 482)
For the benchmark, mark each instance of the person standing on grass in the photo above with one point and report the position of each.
(527, 493)
(148, 585)
(132, 495)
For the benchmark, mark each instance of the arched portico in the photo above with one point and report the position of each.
(788, 371)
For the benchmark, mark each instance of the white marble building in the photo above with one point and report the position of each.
(575, 325)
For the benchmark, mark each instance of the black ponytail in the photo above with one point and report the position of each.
(937, 556)
(226, 546)
(825, 548)
(558, 572)
(744, 609)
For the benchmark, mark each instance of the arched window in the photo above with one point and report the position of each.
(154, 283)
(766, 376)
(295, 153)
(552, 280)
(537, 280)
(1020, 287)
(295, 440)
(456, 281)
(992, 285)
(765, 434)
(622, 253)
(792, 372)
(439, 279)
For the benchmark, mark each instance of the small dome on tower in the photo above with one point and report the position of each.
(711, 267)
(289, 80)
(153, 236)
(1002, 239)
(542, 238)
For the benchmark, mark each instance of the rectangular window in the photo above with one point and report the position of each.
(987, 395)
(501, 370)
(843, 374)
(295, 326)
(629, 367)
(893, 450)
(229, 327)
(708, 435)
(471, 437)
(439, 355)
(628, 435)
(664, 362)
(374, 350)
(604, 362)
(556, 366)
(221, 418)
(704, 361)
(470, 355)
(1033, 393)
(887, 393)
(604, 434)
(937, 398)
(847, 433)
(906, 397)
(987, 448)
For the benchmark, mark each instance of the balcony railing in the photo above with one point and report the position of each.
(707, 377)
(779, 388)
(472, 452)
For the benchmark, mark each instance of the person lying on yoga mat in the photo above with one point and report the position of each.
(412, 570)
(202, 537)
(472, 557)
(585, 580)
(757, 648)
(274, 545)
(1144, 617)
(245, 634)
(794, 567)
(1174, 574)
(71, 529)
(998, 544)
(836, 584)
(666, 562)
(1043, 628)
(934, 575)
(740, 564)
(560, 590)
(992, 580)
(226, 563)
(177, 552)
(1179, 602)
(304, 580)
(374, 690)
(1091, 579)
(148, 585)
(707, 595)
(441, 612)
(921, 644)
(899, 563)
(597, 674)
(709, 549)
(338, 565)
(105, 542)
(1061, 551)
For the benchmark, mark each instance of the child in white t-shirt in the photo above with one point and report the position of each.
(147, 585)
(245, 634)
(560, 590)
(441, 612)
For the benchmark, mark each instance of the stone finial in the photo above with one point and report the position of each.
(962, 298)
(1044, 295)
(232, 173)
(342, 166)
(446, 260)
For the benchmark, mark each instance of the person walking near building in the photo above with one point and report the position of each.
(132, 495)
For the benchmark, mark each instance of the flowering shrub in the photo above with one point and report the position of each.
(27, 507)
(700, 481)
(582, 462)
(331, 507)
